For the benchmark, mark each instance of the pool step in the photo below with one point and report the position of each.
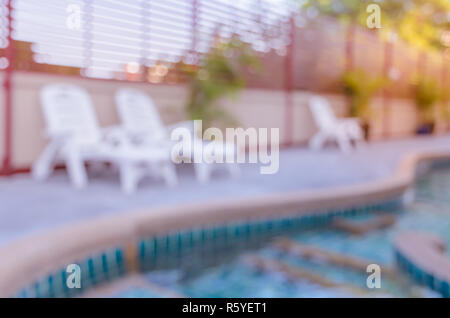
(377, 223)
(272, 265)
(297, 274)
(437, 208)
(133, 281)
(314, 253)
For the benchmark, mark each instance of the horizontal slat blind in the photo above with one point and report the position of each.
(128, 40)
(261, 23)
(44, 34)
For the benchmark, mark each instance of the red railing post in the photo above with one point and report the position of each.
(421, 63)
(289, 85)
(8, 86)
(421, 70)
(349, 47)
(444, 71)
(387, 64)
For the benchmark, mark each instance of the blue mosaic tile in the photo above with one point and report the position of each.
(422, 277)
(444, 289)
(96, 269)
(158, 251)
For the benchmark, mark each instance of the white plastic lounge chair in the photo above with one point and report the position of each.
(76, 138)
(141, 120)
(345, 131)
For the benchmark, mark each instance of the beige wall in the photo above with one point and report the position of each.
(2, 120)
(259, 109)
(252, 108)
(28, 123)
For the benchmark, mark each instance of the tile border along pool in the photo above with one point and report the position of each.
(113, 246)
(423, 257)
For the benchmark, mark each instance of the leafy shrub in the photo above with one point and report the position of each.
(426, 94)
(361, 88)
(219, 74)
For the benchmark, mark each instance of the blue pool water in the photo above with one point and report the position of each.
(235, 276)
(136, 292)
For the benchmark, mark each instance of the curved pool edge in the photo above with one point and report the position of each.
(422, 256)
(32, 258)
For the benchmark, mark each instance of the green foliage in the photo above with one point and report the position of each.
(220, 74)
(419, 22)
(426, 94)
(344, 10)
(360, 88)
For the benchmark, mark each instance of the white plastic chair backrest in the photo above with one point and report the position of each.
(322, 112)
(68, 111)
(138, 113)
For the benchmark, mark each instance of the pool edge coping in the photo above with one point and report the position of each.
(32, 257)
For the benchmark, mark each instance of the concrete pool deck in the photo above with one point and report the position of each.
(28, 207)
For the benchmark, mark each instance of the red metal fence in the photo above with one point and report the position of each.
(145, 40)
